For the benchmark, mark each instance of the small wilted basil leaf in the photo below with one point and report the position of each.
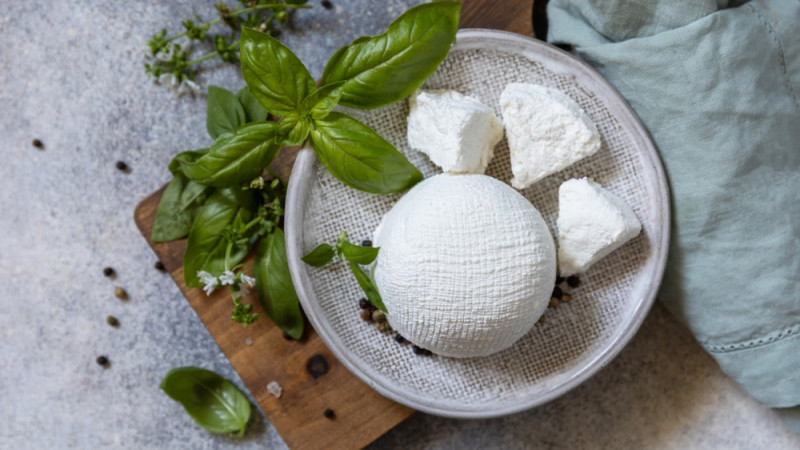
(253, 110)
(213, 402)
(358, 253)
(274, 75)
(294, 128)
(224, 113)
(275, 288)
(367, 286)
(178, 207)
(235, 158)
(320, 256)
(383, 69)
(211, 232)
(359, 157)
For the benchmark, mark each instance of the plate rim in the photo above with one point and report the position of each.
(479, 38)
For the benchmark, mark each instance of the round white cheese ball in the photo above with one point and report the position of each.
(466, 265)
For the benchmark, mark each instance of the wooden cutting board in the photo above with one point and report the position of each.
(260, 354)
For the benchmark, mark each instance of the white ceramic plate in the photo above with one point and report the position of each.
(577, 338)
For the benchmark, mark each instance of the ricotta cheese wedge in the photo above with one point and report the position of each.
(592, 222)
(547, 132)
(457, 132)
(466, 265)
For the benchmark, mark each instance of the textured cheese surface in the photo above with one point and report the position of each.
(547, 131)
(592, 222)
(457, 132)
(466, 265)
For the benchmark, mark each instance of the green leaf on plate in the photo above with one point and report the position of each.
(357, 253)
(275, 288)
(320, 256)
(359, 157)
(213, 402)
(383, 69)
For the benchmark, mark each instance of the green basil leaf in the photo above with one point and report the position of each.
(383, 69)
(213, 402)
(294, 128)
(359, 157)
(320, 256)
(357, 253)
(322, 101)
(274, 75)
(206, 246)
(367, 286)
(177, 209)
(224, 113)
(253, 110)
(235, 158)
(275, 288)
(188, 156)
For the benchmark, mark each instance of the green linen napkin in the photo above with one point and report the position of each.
(717, 86)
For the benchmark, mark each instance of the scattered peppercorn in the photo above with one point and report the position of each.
(287, 336)
(120, 293)
(573, 281)
(317, 366)
(363, 303)
(108, 271)
(160, 266)
(38, 144)
(557, 292)
(329, 413)
(565, 298)
(102, 360)
(366, 243)
(326, 4)
(378, 316)
(382, 325)
(366, 315)
(559, 280)
(111, 320)
(400, 339)
(541, 318)
(416, 349)
(122, 167)
(553, 302)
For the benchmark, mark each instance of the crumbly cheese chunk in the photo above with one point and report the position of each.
(466, 267)
(547, 131)
(457, 132)
(592, 222)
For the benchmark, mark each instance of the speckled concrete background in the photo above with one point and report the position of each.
(71, 75)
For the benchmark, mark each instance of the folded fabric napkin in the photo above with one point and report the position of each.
(717, 86)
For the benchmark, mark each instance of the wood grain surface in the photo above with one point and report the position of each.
(260, 354)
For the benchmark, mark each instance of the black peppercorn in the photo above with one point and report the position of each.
(366, 315)
(329, 413)
(416, 349)
(559, 280)
(363, 303)
(108, 271)
(102, 360)
(120, 293)
(400, 339)
(121, 166)
(573, 281)
(326, 4)
(160, 266)
(111, 320)
(366, 243)
(557, 293)
(38, 144)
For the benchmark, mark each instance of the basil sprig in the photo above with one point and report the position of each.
(213, 402)
(275, 288)
(355, 255)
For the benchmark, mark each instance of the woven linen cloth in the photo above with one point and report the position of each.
(717, 86)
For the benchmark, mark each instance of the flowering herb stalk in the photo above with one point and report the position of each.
(172, 60)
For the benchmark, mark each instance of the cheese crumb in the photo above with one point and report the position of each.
(547, 132)
(457, 132)
(592, 222)
(275, 389)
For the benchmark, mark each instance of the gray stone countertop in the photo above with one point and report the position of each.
(72, 77)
